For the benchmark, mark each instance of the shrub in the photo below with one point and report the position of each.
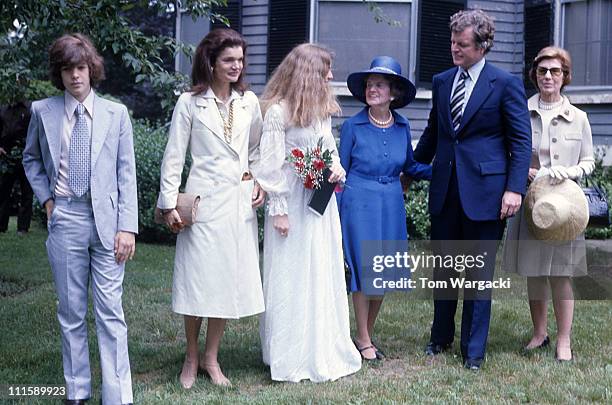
(417, 210)
(603, 177)
(149, 146)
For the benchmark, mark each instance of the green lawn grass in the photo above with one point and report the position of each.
(30, 350)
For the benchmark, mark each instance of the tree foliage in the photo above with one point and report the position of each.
(29, 26)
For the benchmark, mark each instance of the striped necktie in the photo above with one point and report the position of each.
(456, 104)
(79, 154)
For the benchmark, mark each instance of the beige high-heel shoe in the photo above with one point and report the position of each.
(188, 375)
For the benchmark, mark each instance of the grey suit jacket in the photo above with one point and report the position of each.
(113, 169)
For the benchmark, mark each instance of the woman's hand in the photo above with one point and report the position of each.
(258, 197)
(173, 220)
(338, 173)
(557, 174)
(281, 224)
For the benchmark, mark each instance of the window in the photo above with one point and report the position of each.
(287, 27)
(590, 45)
(434, 38)
(538, 34)
(350, 29)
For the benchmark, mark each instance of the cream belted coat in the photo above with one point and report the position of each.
(571, 144)
(216, 267)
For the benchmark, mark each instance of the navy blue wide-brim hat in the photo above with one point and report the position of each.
(386, 66)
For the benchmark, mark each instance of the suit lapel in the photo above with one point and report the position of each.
(208, 114)
(241, 118)
(102, 117)
(481, 91)
(52, 118)
(445, 95)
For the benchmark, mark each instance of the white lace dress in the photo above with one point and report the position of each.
(305, 330)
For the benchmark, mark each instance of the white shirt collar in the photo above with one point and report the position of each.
(70, 103)
(211, 94)
(475, 69)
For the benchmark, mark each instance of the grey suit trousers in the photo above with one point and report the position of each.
(76, 253)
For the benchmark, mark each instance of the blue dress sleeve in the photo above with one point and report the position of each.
(412, 168)
(346, 145)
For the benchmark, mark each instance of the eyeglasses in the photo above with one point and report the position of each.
(541, 71)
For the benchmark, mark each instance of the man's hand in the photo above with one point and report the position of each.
(511, 202)
(49, 205)
(258, 197)
(405, 181)
(125, 246)
(2, 151)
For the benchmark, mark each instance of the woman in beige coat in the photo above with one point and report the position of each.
(216, 268)
(562, 149)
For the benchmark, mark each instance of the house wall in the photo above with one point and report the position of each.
(507, 53)
(255, 31)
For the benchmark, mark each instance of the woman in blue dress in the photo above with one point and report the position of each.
(375, 148)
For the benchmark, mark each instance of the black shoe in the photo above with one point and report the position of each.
(433, 348)
(472, 364)
(542, 345)
(74, 401)
(362, 349)
(380, 355)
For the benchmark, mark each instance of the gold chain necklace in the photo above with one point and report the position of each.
(227, 123)
(378, 122)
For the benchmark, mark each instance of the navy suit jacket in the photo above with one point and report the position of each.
(491, 150)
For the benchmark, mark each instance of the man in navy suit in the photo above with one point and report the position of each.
(479, 138)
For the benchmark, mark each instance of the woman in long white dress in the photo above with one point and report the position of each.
(216, 266)
(305, 329)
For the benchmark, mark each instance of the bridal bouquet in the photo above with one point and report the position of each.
(310, 165)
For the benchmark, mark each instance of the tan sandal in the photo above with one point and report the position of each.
(223, 381)
(187, 379)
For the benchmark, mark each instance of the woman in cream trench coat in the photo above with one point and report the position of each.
(562, 149)
(216, 268)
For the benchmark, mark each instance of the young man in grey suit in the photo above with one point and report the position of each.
(79, 159)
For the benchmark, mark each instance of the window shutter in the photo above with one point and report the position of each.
(434, 38)
(233, 12)
(538, 33)
(287, 27)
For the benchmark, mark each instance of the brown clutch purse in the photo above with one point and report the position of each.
(187, 207)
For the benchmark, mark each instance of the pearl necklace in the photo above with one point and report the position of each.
(378, 122)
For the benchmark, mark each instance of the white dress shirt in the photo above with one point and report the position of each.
(473, 73)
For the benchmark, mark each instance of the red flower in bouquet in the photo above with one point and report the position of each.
(309, 182)
(297, 153)
(310, 164)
